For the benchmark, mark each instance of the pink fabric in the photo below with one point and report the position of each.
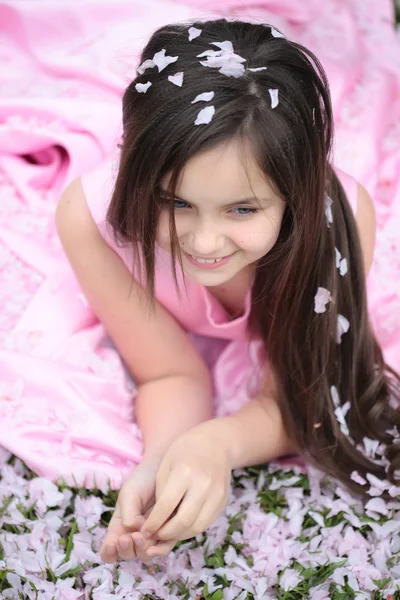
(65, 400)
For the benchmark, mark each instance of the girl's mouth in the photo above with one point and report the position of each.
(209, 263)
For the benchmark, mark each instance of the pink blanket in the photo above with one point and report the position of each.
(65, 401)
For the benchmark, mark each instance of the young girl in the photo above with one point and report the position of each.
(226, 218)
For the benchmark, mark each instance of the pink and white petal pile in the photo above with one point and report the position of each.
(278, 528)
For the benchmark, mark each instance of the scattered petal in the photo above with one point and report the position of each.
(205, 97)
(276, 33)
(225, 59)
(321, 299)
(274, 97)
(143, 87)
(162, 61)
(377, 505)
(343, 326)
(147, 64)
(255, 69)
(335, 396)
(205, 115)
(194, 33)
(355, 476)
(328, 210)
(176, 79)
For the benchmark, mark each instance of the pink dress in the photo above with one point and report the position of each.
(83, 428)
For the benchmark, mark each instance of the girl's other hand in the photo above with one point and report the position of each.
(135, 502)
(193, 484)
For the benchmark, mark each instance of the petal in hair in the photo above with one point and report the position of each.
(205, 115)
(176, 79)
(143, 87)
(224, 46)
(162, 61)
(276, 34)
(338, 257)
(340, 412)
(225, 59)
(255, 69)
(232, 69)
(321, 299)
(343, 326)
(147, 64)
(341, 263)
(194, 33)
(274, 98)
(328, 210)
(205, 97)
(335, 396)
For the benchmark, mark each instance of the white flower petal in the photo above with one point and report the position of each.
(176, 79)
(205, 115)
(338, 258)
(276, 33)
(255, 69)
(378, 505)
(328, 209)
(321, 299)
(343, 326)
(205, 97)
(224, 46)
(335, 396)
(147, 64)
(161, 60)
(355, 476)
(343, 267)
(194, 33)
(143, 87)
(232, 69)
(274, 97)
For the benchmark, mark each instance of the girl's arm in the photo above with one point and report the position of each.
(254, 434)
(366, 223)
(174, 384)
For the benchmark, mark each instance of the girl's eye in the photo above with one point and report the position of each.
(251, 211)
(244, 211)
(180, 203)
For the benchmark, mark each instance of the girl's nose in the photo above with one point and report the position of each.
(206, 242)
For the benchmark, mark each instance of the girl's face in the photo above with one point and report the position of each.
(217, 215)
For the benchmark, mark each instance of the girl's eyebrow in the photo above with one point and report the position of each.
(251, 200)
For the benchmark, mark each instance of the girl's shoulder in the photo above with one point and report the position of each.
(98, 184)
(350, 186)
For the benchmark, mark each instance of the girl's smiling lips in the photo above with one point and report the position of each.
(207, 265)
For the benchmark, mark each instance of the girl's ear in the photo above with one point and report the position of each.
(366, 223)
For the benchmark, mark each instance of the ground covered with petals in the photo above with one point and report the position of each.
(283, 535)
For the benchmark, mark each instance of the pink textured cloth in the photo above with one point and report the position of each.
(65, 400)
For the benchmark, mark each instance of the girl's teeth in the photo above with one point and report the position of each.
(206, 261)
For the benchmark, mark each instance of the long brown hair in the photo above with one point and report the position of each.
(292, 145)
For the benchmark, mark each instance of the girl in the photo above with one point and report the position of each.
(225, 169)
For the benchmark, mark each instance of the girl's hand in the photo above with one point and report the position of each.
(193, 480)
(135, 501)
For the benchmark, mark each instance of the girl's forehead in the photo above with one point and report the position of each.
(223, 169)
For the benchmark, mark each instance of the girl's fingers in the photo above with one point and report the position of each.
(108, 550)
(126, 548)
(168, 501)
(183, 521)
(141, 546)
(161, 549)
(207, 514)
